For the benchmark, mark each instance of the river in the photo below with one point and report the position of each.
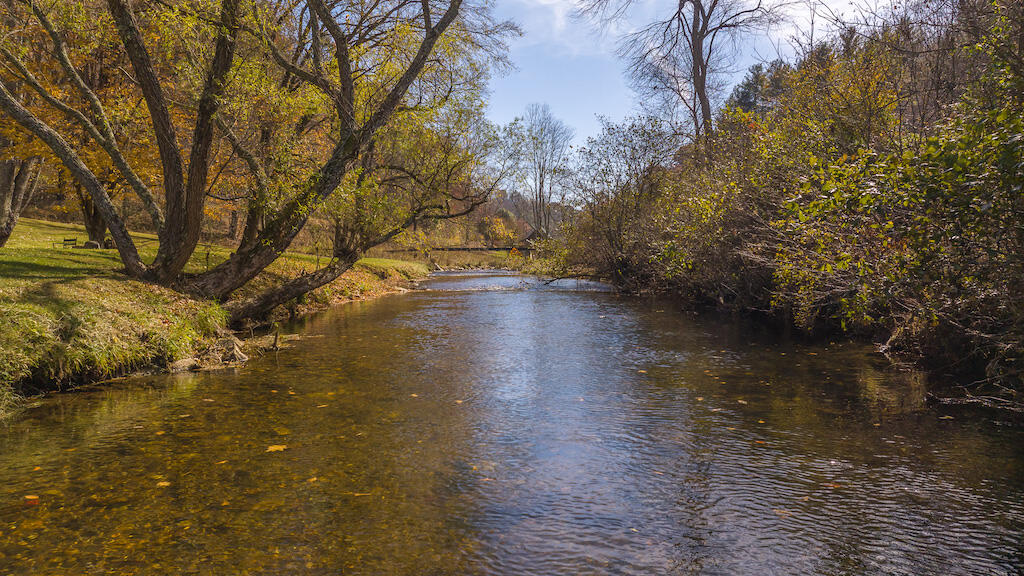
(491, 424)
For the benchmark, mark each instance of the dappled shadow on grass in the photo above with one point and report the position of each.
(57, 265)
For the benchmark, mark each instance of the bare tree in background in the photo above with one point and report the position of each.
(544, 147)
(681, 60)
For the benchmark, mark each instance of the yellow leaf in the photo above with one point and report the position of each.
(277, 448)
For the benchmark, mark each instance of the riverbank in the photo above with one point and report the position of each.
(69, 317)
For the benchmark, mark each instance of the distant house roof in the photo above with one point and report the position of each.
(535, 235)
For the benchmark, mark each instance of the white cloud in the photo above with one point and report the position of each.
(552, 23)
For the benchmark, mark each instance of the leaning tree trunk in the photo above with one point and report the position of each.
(18, 181)
(257, 307)
(260, 306)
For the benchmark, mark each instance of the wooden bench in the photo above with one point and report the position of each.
(66, 243)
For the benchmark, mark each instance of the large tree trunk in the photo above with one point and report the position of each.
(18, 182)
(184, 198)
(95, 225)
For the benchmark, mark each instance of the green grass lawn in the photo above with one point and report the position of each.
(70, 315)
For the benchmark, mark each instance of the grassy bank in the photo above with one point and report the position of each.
(69, 316)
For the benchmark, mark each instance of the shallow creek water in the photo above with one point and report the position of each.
(491, 424)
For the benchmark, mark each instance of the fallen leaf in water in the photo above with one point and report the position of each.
(760, 421)
(37, 468)
(760, 442)
(414, 395)
(716, 409)
(782, 513)
(945, 417)
(276, 448)
(225, 503)
(458, 401)
(831, 485)
(322, 406)
(291, 392)
(700, 398)
(163, 484)
(222, 462)
(741, 401)
(273, 391)
(207, 399)
(731, 428)
(160, 432)
(642, 371)
(31, 498)
(313, 479)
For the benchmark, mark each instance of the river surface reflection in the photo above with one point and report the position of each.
(492, 424)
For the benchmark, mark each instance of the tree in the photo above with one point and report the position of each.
(339, 71)
(18, 181)
(543, 141)
(394, 67)
(617, 180)
(682, 59)
(180, 221)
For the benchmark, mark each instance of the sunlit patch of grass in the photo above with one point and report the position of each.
(385, 266)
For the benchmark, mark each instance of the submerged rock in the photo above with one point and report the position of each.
(184, 365)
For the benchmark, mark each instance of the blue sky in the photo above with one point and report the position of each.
(572, 66)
